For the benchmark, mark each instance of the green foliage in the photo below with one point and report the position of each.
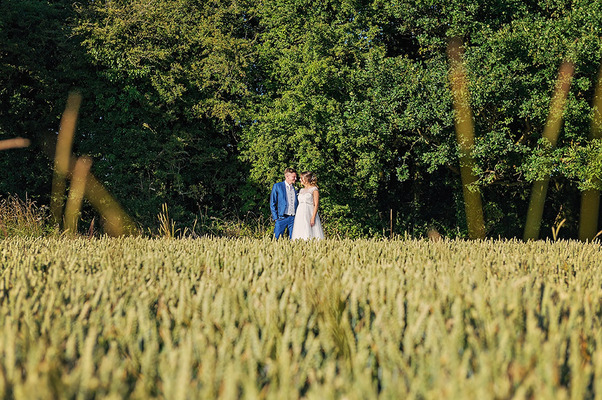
(542, 162)
(168, 123)
(577, 162)
(201, 105)
(584, 165)
(364, 100)
(39, 63)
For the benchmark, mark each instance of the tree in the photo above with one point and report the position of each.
(170, 94)
(202, 104)
(357, 91)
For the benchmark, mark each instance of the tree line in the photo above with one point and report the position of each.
(202, 104)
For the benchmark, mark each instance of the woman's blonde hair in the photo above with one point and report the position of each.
(310, 177)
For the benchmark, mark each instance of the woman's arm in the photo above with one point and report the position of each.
(316, 195)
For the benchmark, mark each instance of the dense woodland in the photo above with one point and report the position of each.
(202, 104)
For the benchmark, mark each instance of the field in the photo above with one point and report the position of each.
(207, 318)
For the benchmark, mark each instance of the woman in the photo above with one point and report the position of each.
(307, 221)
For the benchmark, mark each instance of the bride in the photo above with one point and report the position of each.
(307, 221)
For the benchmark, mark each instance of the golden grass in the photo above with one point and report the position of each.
(219, 318)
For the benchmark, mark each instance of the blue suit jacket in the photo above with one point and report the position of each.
(278, 201)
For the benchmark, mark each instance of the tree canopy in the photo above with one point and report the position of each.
(202, 104)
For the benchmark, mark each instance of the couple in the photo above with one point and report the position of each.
(296, 212)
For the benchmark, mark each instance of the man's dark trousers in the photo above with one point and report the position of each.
(282, 224)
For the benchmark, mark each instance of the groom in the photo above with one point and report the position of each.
(283, 203)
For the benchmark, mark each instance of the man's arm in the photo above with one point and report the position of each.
(274, 202)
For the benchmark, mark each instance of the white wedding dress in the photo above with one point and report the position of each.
(302, 228)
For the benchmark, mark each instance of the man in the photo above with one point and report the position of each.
(283, 203)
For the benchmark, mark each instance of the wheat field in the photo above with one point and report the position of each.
(221, 318)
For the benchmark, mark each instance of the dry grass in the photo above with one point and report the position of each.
(24, 218)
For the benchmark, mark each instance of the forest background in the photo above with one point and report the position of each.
(201, 105)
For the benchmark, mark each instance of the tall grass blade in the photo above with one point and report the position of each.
(590, 199)
(116, 221)
(465, 137)
(81, 172)
(15, 143)
(167, 227)
(551, 133)
(62, 159)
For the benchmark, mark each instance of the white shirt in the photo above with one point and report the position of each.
(290, 198)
